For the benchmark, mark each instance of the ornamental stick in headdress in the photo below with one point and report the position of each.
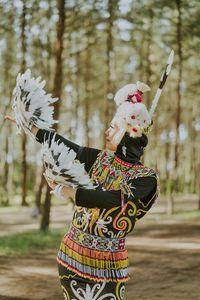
(162, 82)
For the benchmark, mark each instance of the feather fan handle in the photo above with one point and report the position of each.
(61, 166)
(31, 104)
(162, 82)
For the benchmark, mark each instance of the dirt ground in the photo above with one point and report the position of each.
(164, 259)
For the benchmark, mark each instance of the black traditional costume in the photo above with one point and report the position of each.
(92, 259)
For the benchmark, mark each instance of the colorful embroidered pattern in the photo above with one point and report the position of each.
(93, 264)
(109, 172)
(95, 242)
(94, 246)
(79, 289)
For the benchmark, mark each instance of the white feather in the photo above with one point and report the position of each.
(128, 90)
(133, 114)
(31, 103)
(142, 87)
(122, 94)
(136, 131)
(61, 165)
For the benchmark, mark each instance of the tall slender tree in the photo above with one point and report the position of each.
(57, 92)
(179, 82)
(24, 139)
(108, 104)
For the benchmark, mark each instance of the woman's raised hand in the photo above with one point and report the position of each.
(52, 184)
(34, 129)
(12, 119)
(66, 191)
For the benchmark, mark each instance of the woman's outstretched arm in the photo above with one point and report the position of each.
(143, 187)
(43, 135)
(85, 155)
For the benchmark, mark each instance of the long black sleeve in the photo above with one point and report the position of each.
(145, 203)
(143, 187)
(85, 155)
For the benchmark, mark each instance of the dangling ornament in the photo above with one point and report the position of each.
(124, 150)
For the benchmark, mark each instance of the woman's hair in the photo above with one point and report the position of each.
(134, 147)
(141, 141)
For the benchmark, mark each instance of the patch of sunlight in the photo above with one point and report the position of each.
(36, 270)
(161, 244)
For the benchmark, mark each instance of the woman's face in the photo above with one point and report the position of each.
(110, 134)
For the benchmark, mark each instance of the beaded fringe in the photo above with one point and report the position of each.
(93, 264)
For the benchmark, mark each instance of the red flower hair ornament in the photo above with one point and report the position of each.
(132, 115)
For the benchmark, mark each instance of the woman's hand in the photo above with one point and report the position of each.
(34, 129)
(50, 182)
(12, 119)
(66, 192)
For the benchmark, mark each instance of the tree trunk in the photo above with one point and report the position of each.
(108, 104)
(77, 85)
(193, 144)
(149, 60)
(87, 94)
(57, 91)
(57, 88)
(180, 67)
(45, 221)
(175, 186)
(6, 198)
(24, 139)
(42, 182)
(148, 73)
(8, 60)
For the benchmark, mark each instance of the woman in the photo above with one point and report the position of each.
(92, 259)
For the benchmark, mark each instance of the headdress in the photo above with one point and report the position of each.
(132, 115)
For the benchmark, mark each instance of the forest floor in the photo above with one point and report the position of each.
(164, 254)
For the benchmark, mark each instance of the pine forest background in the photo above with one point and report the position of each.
(86, 51)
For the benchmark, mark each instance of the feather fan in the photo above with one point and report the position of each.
(31, 104)
(61, 166)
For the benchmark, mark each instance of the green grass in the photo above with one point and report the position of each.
(184, 215)
(30, 242)
(188, 214)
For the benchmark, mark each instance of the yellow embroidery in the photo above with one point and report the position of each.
(95, 215)
(65, 292)
(120, 291)
(152, 198)
(67, 276)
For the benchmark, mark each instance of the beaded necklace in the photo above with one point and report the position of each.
(112, 173)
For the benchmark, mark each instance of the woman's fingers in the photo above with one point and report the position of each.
(50, 182)
(10, 119)
(47, 178)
